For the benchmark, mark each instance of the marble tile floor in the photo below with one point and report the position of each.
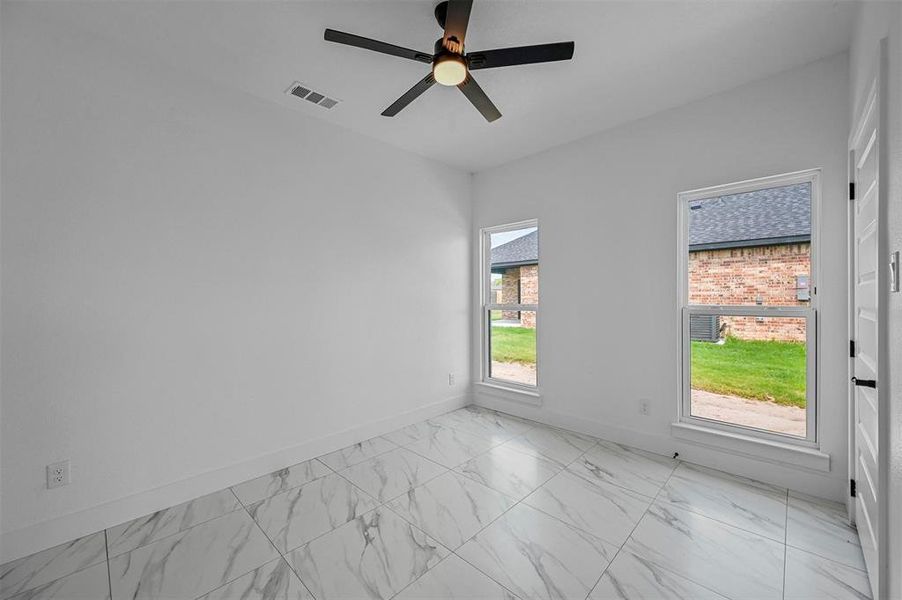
(473, 504)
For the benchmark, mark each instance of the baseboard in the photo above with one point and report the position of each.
(46, 534)
(822, 485)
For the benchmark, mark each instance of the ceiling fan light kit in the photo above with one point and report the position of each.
(450, 65)
(449, 69)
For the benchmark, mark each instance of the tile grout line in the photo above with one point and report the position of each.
(826, 558)
(379, 504)
(396, 594)
(672, 572)
(79, 570)
(109, 574)
(331, 468)
(447, 469)
(688, 508)
(668, 570)
(509, 509)
(475, 456)
(681, 575)
(279, 492)
(180, 531)
(724, 523)
(628, 537)
(785, 538)
(271, 543)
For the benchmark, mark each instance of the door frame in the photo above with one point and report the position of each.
(875, 99)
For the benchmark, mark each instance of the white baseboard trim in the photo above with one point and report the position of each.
(808, 481)
(46, 534)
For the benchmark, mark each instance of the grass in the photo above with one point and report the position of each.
(759, 370)
(514, 344)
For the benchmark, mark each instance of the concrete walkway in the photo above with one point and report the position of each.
(751, 413)
(506, 323)
(517, 372)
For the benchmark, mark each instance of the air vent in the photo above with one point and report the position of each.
(302, 91)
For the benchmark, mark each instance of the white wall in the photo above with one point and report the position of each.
(194, 281)
(877, 20)
(607, 214)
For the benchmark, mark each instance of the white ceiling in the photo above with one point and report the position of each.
(633, 58)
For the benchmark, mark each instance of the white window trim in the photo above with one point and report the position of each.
(684, 309)
(486, 306)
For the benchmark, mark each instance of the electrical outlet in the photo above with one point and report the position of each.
(450, 378)
(58, 474)
(643, 407)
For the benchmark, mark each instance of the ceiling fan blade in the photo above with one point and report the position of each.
(482, 103)
(409, 96)
(350, 39)
(521, 55)
(456, 20)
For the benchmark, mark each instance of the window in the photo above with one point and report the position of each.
(748, 304)
(510, 303)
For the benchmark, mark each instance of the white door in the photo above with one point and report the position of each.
(866, 282)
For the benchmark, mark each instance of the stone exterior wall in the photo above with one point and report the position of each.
(520, 285)
(764, 275)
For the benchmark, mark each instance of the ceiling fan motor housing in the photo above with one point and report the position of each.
(441, 48)
(441, 11)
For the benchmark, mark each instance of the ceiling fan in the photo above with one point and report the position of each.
(450, 65)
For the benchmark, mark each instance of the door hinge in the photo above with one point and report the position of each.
(851, 348)
(851, 190)
(852, 490)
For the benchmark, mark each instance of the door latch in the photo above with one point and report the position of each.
(871, 383)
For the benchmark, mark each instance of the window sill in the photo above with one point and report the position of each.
(745, 445)
(511, 393)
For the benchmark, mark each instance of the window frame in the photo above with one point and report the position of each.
(810, 312)
(487, 306)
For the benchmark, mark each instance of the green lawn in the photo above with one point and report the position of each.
(762, 370)
(514, 344)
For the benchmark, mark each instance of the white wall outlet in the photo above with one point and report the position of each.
(58, 474)
(450, 378)
(643, 407)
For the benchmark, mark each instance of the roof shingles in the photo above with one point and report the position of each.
(523, 250)
(769, 216)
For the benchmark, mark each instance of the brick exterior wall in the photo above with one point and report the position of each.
(529, 293)
(743, 276)
(520, 285)
(510, 292)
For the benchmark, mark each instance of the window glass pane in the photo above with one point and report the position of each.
(515, 269)
(512, 348)
(752, 248)
(749, 371)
